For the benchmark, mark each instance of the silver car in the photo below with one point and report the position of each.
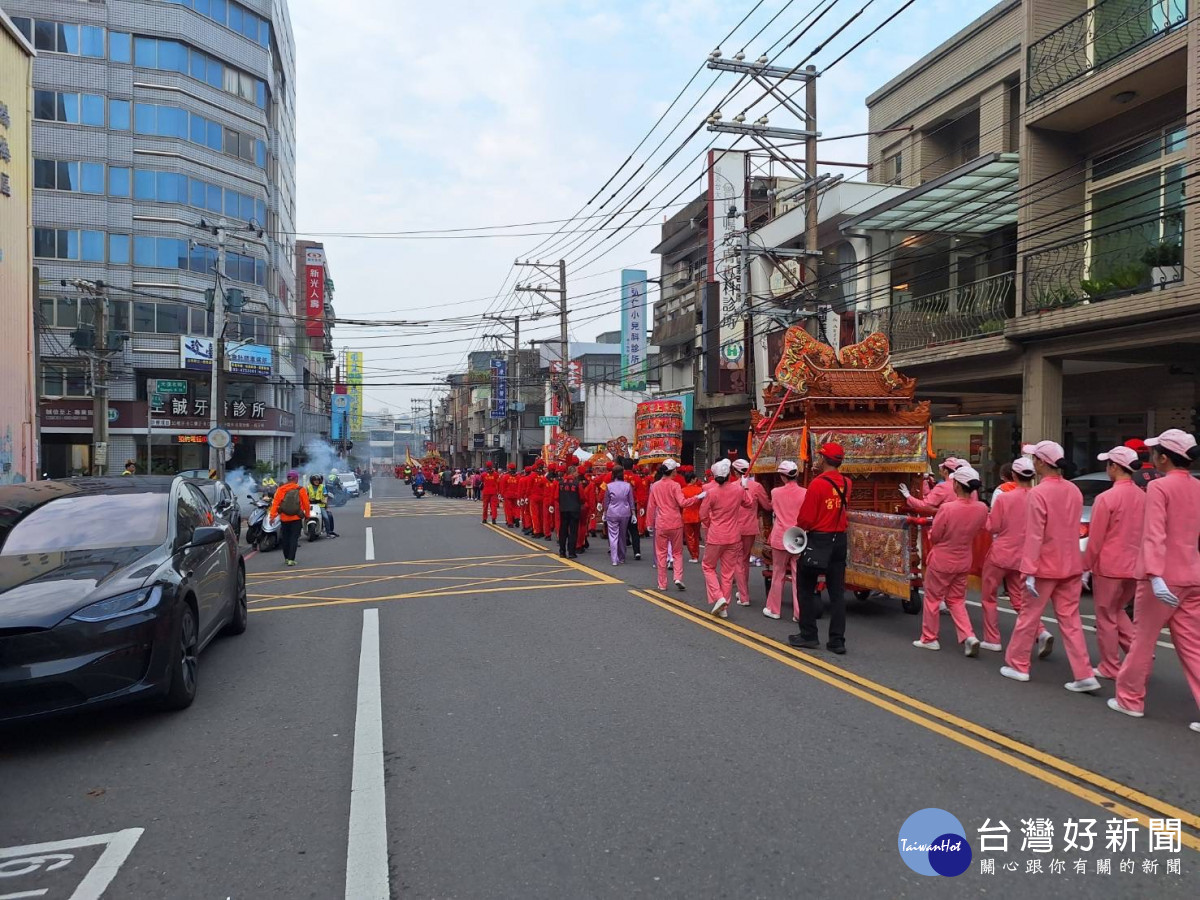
(349, 482)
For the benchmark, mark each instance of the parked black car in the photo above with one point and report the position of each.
(109, 590)
(220, 497)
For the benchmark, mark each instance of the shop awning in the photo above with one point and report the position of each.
(975, 198)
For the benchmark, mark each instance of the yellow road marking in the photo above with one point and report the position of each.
(967, 741)
(324, 570)
(499, 590)
(602, 577)
(367, 510)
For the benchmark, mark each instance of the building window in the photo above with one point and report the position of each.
(68, 243)
(91, 177)
(120, 47)
(118, 249)
(63, 381)
(174, 56)
(893, 168)
(234, 17)
(118, 181)
(171, 121)
(118, 115)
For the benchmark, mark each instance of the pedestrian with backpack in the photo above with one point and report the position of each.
(291, 507)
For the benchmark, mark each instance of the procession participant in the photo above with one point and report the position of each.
(1052, 568)
(1168, 591)
(677, 475)
(721, 513)
(1008, 481)
(952, 537)
(550, 502)
(633, 534)
(641, 481)
(524, 485)
(618, 508)
(825, 516)
(508, 491)
(750, 527)
(490, 492)
(1110, 561)
(1145, 471)
(291, 507)
(537, 498)
(934, 495)
(786, 501)
(568, 505)
(1002, 565)
(691, 515)
(587, 508)
(664, 513)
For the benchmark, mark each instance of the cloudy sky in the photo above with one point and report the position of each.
(416, 116)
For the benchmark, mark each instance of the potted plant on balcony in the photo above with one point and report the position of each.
(1165, 260)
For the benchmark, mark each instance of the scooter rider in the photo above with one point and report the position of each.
(317, 497)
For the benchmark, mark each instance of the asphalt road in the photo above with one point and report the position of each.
(428, 707)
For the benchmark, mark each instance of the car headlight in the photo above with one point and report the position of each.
(120, 605)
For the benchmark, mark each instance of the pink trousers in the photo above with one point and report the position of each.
(742, 574)
(783, 563)
(951, 588)
(1114, 631)
(674, 539)
(1064, 594)
(993, 577)
(726, 557)
(1149, 616)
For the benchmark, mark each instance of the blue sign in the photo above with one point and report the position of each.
(499, 389)
(633, 329)
(196, 355)
(341, 413)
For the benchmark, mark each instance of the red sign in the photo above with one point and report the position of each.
(314, 293)
(575, 374)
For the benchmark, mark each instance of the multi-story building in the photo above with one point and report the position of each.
(314, 346)
(164, 167)
(18, 416)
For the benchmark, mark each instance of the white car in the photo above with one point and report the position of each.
(349, 482)
(1092, 485)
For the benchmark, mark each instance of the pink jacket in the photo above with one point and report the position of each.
(665, 508)
(953, 533)
(721, 512)
(1115, 533)
(758, 494)
(1171, 529)
(942, 492)
(1006, 522)
(1052, 530)
(785, 501)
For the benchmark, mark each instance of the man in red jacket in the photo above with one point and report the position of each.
(824, 515)
(550, 502)
(537, 499)
(524, 483)
(490, 492)
(508, 492)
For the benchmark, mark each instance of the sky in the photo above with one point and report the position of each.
(412, 119)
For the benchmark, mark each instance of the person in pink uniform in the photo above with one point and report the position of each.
(1111, 557)
(954, 529)
(750, 527)
(936, 495)
(1006, 523)
(786, 501)
(1168, 591)
(1052, 567)
(721, 512)
(664, 514)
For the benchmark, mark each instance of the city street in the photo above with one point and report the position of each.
(434, 708)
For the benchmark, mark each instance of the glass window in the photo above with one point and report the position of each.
(201, 6)
(235, 17)
(214, 198)
(118, 181)
(164, 253)
(143, 184)
(247, 208)
(68, 108)
(198, 64)
(143, 255)
(68, 244)
(144, 116)
(216, 11)
(91, 246)
(91, 41)
(84, 522)
(68, 38)
(231, 141)
(166, 184)
(196, 259)
(196, 322)
(43, 173)
(76, 384)
(173, 122)
(66, 312)
(196, 193)
(264, 33)
(260, 272)
(119, 43)
(215, 74)
(260, 94)
(246, 148)
(143, 316)
(214, 136)
(118, 249)
(25, 26)
(247, 270)
(231, 203)
(145, 52)
(172, 57)
(197, 128)
(260, 212)
(68, 176)
(119, 311)
(43, 243)
(260, 154)
(43, 105)
(92, 110)
(43, 36)
(250, 25)
(172, 318)
(118, 115)
(91, 178)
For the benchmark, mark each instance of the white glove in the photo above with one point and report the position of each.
(1087, 580)
(904, 491)
(599, 507)
(641, 512)
(1030, 589)
(702, 494)
(550, 509)
(1162, 592)
(745, 483)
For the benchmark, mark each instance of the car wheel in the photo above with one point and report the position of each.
(241, 615)
(181, 689)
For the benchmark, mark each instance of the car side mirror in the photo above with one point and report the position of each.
(204, 536)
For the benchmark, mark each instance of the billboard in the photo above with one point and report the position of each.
(341, 410)
(499, 389)
(726, 223)
(354, 373)
(314, 291)
(633, 329)
(196, 355)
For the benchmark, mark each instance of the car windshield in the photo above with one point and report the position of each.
(346, 476)
(91, 522)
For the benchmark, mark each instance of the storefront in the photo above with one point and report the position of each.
(986, 442)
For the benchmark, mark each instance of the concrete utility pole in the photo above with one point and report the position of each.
(99, 359)
(514, 385)
(547, 271)
(216, 458)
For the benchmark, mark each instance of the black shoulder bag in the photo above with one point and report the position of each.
(819, 549)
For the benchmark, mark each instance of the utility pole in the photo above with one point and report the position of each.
(216, 458)
(547, 271)
(514, 385)
(811, 185)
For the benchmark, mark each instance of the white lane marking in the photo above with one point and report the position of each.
(371, 492)
(1013, 612)
(38, 893)
(367, 850)
(370, 544)
(117, 847)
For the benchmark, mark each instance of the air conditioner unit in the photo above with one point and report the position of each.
(683, 274)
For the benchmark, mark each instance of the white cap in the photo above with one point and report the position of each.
(721, 468)
(1173, 439)
(670, 465)
(787, 467)
(1047, 451)
(741, 465)
(964, 474)
(1023, 466)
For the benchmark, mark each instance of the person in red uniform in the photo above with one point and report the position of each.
(537, 498)
(524, 482)
(691, 515)
(587, 508)
(490, 492)
(508, 492)
(550, 502)
(824, 514)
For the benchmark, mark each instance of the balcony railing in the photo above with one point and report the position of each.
(1110, 262)
(1107, 31)
(972, 310)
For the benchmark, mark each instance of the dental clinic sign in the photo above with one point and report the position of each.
(196, 355)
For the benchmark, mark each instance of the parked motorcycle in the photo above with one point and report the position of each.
(262, 531)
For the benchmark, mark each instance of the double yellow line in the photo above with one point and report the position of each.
(1116, 798)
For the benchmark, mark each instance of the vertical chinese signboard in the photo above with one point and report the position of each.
(314, 291)
(726, 219)
(499, 389)
(354, 373)
(633, 329)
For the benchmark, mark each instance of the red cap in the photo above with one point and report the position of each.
(609, 464)
(1137, 445)
(512, 465)
(833, 452)
(528, 469)
(488, 465)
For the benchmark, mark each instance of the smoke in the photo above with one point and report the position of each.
(241, 482)
(321, 460)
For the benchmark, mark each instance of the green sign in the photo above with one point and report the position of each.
(156, 401)
(547, 420)
(170, 386)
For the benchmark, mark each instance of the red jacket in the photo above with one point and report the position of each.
(822, 509)
(491, 484)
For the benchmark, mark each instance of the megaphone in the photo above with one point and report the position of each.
(795, 539)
